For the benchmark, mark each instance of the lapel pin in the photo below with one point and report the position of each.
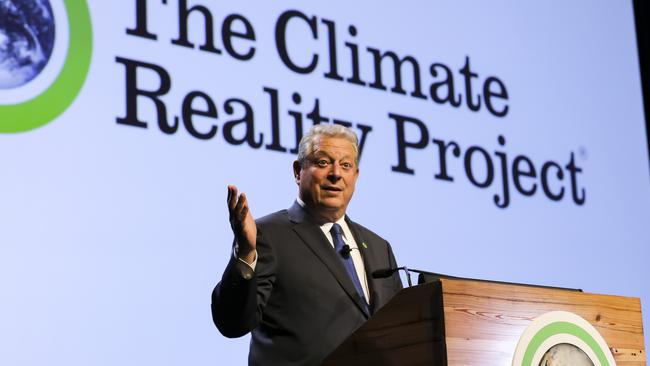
(364, 245)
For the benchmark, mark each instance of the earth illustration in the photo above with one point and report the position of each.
(565, 354)
(26, 40)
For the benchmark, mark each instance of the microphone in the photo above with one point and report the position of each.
(384, 272)
(387, 272)
(345, 251)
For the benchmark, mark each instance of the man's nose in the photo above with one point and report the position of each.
(334, 173)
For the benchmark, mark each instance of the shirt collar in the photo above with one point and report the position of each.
(326, 227)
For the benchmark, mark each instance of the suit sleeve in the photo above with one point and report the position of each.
(397, 282)
(237, 303)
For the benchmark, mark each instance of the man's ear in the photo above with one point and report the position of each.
(296, 170)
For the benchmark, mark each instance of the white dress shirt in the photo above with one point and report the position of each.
(348, 238)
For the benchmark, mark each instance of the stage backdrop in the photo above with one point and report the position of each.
(500, 140)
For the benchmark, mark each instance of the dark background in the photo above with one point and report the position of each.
(641, 12)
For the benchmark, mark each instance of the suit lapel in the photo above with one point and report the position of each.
(311, 234)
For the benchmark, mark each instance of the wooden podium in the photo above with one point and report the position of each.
(472, 322)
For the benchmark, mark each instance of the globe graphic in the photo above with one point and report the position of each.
(26, 40)
(565, 354)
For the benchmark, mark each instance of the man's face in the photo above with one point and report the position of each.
(326, 181)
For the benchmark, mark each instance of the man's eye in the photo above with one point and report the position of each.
(346, 165)
(322, 163)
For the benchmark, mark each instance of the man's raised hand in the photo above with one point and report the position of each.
(242, 224)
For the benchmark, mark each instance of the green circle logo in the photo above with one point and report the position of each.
(57, 97)
(561, 328)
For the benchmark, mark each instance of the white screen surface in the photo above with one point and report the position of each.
(113, 235)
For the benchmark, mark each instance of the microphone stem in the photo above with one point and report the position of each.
(408, 276)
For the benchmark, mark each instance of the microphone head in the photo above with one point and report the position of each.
(383, 273)
(345, 251)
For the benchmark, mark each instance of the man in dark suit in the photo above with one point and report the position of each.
(300, 279)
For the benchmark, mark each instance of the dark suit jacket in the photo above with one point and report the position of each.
(301, 303)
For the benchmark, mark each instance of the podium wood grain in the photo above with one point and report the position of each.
(483, 320)
(465, 322)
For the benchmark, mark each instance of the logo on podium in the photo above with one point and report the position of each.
(562, 338)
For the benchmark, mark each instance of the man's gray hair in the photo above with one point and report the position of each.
(306, 146)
